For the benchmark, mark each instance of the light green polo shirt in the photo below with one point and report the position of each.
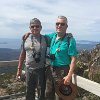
(62, 56)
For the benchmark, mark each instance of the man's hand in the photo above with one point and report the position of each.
(19, 72)
(25, 36)
(67, 80)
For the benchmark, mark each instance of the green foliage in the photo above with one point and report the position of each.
(96, 77)
(85, 95)
(93, 97)
(82, 70)
(5, 79)
(85, 74)
(9, 83)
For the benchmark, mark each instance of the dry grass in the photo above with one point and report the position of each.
(9, 85)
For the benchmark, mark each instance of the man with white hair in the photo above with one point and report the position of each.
(62, 54)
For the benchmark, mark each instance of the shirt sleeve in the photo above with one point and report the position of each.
(22, 45)
(49, 37)
(72, 50)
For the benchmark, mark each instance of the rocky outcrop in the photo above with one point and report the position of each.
(89, 61)
(94, 65)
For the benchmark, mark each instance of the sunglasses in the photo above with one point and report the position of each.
(61, 24)
(36, 26)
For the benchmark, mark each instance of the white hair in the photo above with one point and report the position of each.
(63, 17)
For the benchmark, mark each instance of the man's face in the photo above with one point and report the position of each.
(61, 25)
(35, 28)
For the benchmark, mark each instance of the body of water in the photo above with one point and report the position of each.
(10, 43)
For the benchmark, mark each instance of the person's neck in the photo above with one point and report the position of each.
(60, 35)
(38, 34)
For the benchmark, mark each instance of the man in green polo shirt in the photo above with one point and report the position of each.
(62, 54)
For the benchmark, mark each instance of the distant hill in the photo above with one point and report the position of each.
(10, 48)
(15, 43)
(10, 43)
(85, 44)
(9, 54)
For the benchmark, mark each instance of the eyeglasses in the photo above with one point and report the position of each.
(36, 26)
(62, 24)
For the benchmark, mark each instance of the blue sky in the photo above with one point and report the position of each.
(83, 17)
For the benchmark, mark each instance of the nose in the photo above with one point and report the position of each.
(35, 27)
(59, 24)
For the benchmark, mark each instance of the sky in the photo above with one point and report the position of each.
(83, 17)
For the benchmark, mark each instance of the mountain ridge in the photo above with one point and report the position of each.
(10, 48)
(16, 43)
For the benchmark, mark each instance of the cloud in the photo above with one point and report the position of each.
(83, 16)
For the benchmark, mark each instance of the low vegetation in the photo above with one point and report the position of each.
(9, 84)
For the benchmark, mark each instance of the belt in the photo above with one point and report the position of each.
(62, 67)
(59, 71)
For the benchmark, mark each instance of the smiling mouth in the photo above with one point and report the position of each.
(59, 28)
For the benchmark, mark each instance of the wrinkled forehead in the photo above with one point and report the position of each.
(35, 22)
(62, 20)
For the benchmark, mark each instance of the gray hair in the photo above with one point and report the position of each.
(63, 17)
(35, 20)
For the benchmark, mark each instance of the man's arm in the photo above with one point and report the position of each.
(20, 63)
(67, 78)
(25, 36)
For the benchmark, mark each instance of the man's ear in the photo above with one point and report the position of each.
(29, 27)
(41, 27)
(67, 26)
